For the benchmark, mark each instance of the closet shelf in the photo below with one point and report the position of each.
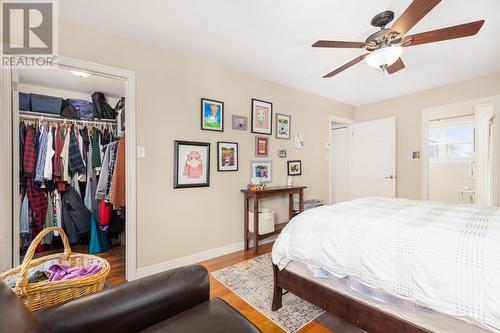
(43, 116)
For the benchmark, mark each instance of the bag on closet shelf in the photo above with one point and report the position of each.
(46, 104)
(24, 101)
(85, 108)
(69, 111)
(102, 109)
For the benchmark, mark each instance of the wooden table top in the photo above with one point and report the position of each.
(275, 189)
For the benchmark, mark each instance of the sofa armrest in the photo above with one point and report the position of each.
(133, 306)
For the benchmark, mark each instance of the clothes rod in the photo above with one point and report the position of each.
(41, 116)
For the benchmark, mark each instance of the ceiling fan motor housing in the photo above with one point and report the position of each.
(382, 19)
(382, 38)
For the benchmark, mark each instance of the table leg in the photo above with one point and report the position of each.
(301, 200)
(245, 224)
(290, 206)
(255, 225)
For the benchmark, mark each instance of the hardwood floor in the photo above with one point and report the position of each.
(322, 324)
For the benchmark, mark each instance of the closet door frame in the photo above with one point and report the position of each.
(130, 165)
(6, 182)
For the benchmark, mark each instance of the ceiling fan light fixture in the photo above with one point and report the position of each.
(384, 57)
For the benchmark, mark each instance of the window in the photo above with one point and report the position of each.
(451, 142)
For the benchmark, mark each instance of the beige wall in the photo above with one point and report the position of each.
(408, 113)
(175, 223)
(446, 178)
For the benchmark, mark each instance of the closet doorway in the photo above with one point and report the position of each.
(111, 229)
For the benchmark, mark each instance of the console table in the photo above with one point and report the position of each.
(256, 196)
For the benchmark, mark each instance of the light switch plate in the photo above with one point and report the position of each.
(141, 151)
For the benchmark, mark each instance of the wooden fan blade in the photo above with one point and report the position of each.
(346, 66)
(397, 66)
(458, 31)
(412, 15)
(337, 44)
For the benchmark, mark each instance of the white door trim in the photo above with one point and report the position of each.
(130, 144)
(331, 120)
(6, 225)
(425, 133)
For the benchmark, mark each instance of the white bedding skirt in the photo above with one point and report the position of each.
(431, 320)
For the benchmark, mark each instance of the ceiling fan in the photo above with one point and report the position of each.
(386, 45)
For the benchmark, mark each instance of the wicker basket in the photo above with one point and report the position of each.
(43, 294)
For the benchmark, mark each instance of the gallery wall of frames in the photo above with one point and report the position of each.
(192, 158)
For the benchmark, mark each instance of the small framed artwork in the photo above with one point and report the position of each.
(262, 117)
(191, 164)
(261, 146)
(240, 123)
(212, 115)
(283, 126)
(227, 156)
(299, 140)
(294, 168)
(263, 170)
(282, 153)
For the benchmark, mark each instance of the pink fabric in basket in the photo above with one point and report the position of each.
(59, 272)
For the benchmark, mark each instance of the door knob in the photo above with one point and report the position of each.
(390, 177)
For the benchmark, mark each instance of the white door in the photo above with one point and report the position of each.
(373, 159)
(339, 157)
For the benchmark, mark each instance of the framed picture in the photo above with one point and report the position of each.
(262, 117)
(227, 156)
(282, 153)
(283, 126)
(294, 168)
(263, 170)
(240, 123)
(261, 146)
(191, 164)
(212, 115)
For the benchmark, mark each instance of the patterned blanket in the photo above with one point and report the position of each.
(440, 256)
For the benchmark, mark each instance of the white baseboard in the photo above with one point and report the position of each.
(194, 258)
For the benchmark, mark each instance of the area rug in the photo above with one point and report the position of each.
(252, 280)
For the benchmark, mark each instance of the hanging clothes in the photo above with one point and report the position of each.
(42, 151)
(96, 148)
(49, 220)
(65, 157)
(75, 217)
(29, 158)
(22, 137)
(47, 169)
(99, 241)
(24, 226)
(38, 204)
(59, 141)
(76, 164)
(117, 192)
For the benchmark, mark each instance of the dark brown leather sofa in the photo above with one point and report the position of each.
(172, 301)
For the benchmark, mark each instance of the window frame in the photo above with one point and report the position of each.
(443, 144)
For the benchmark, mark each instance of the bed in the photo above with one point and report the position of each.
(437, 264)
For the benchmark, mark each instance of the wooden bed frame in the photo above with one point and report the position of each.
(359, 314)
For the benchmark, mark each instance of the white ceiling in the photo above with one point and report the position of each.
(271, 39)
(58, 78)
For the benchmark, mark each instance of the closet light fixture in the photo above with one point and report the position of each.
(80, 74)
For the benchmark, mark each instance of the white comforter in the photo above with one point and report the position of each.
(437, 255)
